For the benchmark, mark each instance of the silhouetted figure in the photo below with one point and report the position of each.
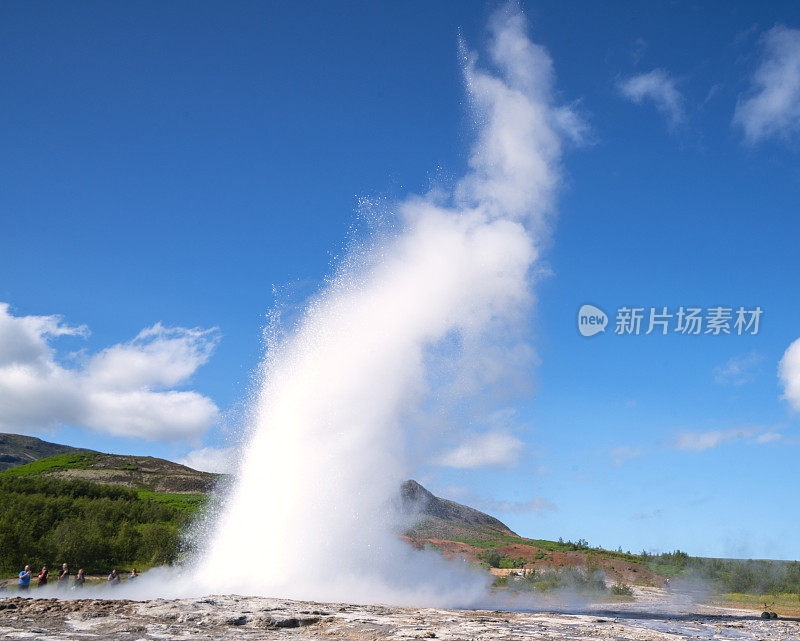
(63, 577)
(24, 579)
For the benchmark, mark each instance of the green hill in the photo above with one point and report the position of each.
(16, 449)
(136, 472)
(99, 511)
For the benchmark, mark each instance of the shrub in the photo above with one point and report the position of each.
(492, 557)
(576, 579)
(500, 582)
(621, 589)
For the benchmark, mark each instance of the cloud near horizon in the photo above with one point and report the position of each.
(657, 87)
(123, 390)
(772, 107)
(219, 460)
(496, 448)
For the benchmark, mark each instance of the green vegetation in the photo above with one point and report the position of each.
(500, 582)
(16, 449)
(549, 580)
(57, 462)
(729, 575)
(621, 589)
(784, 604)
(724, 575)
(495, 540)
(186, 503)
(45, 520)
(494, 559)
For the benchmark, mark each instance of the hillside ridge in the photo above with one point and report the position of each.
(136, 472)
(17, 449)
(418, 500)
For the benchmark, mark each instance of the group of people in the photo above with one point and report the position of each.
(43, 577)
(114, 577)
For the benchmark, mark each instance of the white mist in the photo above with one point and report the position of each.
(310, 515)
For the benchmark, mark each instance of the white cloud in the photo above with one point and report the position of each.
(658, 87)
(158, 356)
(497, 448)
(738, 370)
(789, 374)
(211, 459)
(123, 390)
(772, 107)
(624, 453)
(21, 338)
(769, 437)
(699, 441)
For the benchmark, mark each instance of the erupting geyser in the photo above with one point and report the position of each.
(310, 516)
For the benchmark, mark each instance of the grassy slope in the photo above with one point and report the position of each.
(136, 472)
(729, 576)
(16, 449)
(723, 576)
(45, 503)
(784, 604)
(58, 462)
(186, 502)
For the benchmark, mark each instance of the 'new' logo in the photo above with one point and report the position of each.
(591, 320)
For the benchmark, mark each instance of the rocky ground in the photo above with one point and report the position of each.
(653, 616)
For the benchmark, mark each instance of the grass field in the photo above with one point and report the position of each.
(187, 503)
(58, 462)
(787, 605)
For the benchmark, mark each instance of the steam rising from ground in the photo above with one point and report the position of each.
(311, 516)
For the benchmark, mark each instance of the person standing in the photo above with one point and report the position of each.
(63, 577)
(43, 575)
(80, 579)
(113, 578)
(24, 579)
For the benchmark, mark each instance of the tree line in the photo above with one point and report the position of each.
(748, 576)
(47, 521)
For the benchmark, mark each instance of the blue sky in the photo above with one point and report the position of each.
(171, 164)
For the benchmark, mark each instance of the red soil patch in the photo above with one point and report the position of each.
(615, 569)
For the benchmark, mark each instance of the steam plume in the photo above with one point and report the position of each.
(310, 517)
